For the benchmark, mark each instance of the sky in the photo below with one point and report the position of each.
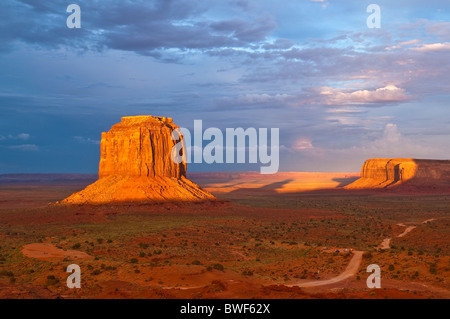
(339, 92)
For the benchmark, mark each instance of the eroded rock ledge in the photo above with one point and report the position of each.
(390, 172)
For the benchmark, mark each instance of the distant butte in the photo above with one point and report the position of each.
(403, 173)
(136, 166)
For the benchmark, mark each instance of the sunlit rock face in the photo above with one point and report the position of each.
(140, 146)
(136, 165)
(391, 172)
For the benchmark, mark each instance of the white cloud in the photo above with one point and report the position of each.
(344, 110)
(302, 144)
(390, 143)
(86, 140)
(389, 93)
(21, 136)
(25, 147)
(433, 47)
(393, 143)
(403, 44)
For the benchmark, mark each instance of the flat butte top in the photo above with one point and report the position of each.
(144, 121)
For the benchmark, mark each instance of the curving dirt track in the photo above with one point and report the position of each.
(350, 271)
(386, 244)
(407, 230)
(354, 264)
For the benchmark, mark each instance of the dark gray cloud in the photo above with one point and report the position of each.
(145, 27)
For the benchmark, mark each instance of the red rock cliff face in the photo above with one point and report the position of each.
(136, 165)
(389, 172)
(140, 146)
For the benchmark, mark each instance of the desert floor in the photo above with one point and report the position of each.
(264, 238)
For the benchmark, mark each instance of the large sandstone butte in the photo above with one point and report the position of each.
(392, 172)
(136, 165)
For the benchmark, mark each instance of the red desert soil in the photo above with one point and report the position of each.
(227, 233)
(265, 239)
(50, 252)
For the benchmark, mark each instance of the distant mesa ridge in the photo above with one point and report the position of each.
(136, 165)
(392, 172)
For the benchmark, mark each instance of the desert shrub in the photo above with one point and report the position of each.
(141, 254)
(367, 255)
(391, 267)
(6, 273)
(133, 260)
(218, 267)
(110, 268)
(433, 269)
(76, 246)
(196, 262)
(52, 280)
(218, 285)
(144, 245)
(96, 272)
(100, 240)
(247, 272)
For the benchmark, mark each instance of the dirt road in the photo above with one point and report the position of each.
(355, 262)
(407, 230)
(350, 271)
(386, 244)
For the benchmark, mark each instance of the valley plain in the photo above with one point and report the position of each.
(288, 235)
